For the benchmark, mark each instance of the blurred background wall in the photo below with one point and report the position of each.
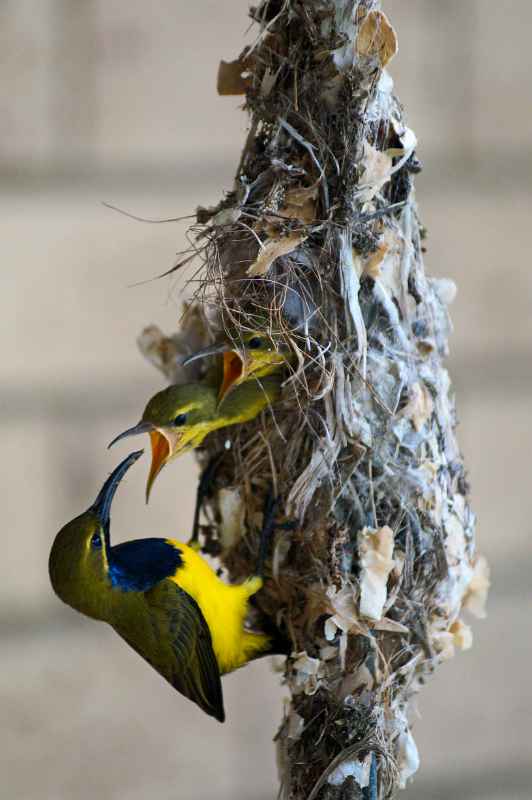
(114, 100)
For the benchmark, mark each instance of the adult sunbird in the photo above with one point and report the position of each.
(161, 597)
(179, 418)
(252, 354)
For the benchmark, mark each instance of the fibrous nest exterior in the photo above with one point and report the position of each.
(319, 244)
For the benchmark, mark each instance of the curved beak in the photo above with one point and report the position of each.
(102, 505)
(212, 350)
(141, 427)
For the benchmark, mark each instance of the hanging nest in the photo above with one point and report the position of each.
(319, 246)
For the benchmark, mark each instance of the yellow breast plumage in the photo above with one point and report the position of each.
(224, 608)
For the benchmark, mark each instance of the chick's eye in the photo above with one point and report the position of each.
(180, 420)
(255, 342)
(96, 540)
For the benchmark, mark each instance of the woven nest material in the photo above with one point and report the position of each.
(319, 243)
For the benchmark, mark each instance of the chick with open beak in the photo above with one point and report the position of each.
(180, 417)
(252, 355)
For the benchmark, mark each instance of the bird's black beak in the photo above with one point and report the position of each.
(212, 350)
(141, 427)
(102, 505)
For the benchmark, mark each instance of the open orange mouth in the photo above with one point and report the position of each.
(160, 450)
(233, 368)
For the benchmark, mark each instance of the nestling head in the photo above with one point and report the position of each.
(177, 419)
(249, 354)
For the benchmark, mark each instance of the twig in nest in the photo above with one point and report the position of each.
(146, 219)
(309, 148)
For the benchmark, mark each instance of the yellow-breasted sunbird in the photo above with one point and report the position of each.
(249, 354)
(178, 418)
(161, 597)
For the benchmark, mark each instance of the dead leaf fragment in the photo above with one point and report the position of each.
(373, 262)
(408, 140)
(232, 513)
(445, 288)
(272, 250)
(227, 216)
(306, 664)
(462, 635)
(230, 80)
(390, 626)
(477, 591)
(443, 643)
(167, 353)
(345, 617)
(407, 756)
(377, 38)
(419, 407)
(300, 203)
(159, 349)
(307, 673)
(377, 171)
(375, 548)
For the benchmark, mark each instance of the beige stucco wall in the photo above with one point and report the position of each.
(107, 100)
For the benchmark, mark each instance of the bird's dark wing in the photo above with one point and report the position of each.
(169, 631)
(139, 565)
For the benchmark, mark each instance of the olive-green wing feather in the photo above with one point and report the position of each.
(175, 639)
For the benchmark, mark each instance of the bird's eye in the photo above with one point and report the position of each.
(255, 342)
(180, 420)
(96, 541)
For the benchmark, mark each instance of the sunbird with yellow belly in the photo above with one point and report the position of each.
(161, 597)
(179, 418)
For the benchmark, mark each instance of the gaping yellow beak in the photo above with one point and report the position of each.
(165, 444)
